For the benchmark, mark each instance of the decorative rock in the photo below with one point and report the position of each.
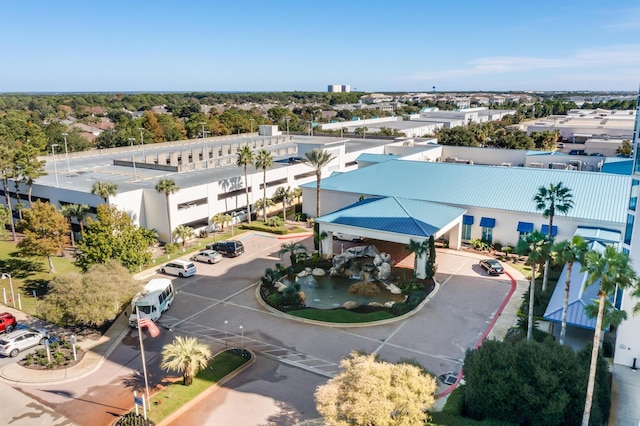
(384, 272)
(318, 272)
(350, 304)
(303, 273)
(394, 289)
(376, 304)
(389, 304)
(377, 260)
(308, 269)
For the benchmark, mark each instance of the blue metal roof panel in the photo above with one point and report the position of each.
(597, 196)
(375, 158)
(403, 216)
(599, 234)
(624, 167)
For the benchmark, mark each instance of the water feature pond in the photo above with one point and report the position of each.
(327, 292)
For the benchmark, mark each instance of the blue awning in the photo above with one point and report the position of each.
(488, 222)
(467, 220)
(525, 227)
(545, 230)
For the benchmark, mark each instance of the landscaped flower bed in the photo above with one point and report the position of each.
(61, 357)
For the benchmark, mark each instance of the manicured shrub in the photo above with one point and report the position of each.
(415, 297)
(275, 299)
(400, 308)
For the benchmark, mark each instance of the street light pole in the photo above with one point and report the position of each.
(242, 340)
(66, 151)
(286, 118)
(225, 333)
(13, 298)
(142, 141)
(251, 120)
(133, 159)
(55, 167)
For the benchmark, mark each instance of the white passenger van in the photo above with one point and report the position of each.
(155, 298)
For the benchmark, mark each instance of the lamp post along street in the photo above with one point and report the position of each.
(225, 333)
(242, 340)
(251, 120)
(13, 298)
(286, 118)
(133, 159)
(66, 151)
(55, 167)
(142, 142)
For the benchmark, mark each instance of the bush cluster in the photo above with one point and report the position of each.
(258, 226)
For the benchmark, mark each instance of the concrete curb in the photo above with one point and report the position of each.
(211, 389)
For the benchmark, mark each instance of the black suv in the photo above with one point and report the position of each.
(231, 248)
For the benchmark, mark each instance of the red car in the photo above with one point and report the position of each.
(7, 322)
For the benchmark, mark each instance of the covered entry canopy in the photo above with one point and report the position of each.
(395, 219)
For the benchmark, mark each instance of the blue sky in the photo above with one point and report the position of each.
(285, 45)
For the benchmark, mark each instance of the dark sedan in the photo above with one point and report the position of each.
(492, 266)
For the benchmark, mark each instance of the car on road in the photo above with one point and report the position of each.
(17, 341)
(7, 322)
(208, 256)
(179, 267)
(231, 248)
(346, 237)
(492, 266)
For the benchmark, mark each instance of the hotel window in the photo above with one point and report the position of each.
(467, 222)
(633, 198)
(524, 229)
(487, 224)
(629, 229)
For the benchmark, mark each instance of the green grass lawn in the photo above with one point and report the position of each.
(176, 394)
(340, 315)
(28, 274)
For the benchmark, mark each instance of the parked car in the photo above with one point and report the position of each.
(492, 266)
(231, 248)
(17, 341)
(181, 268)
(347, 237)
(7, 322)
(209, 256)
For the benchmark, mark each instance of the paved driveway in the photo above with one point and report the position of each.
(293, 357)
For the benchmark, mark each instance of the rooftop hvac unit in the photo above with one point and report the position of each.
(537, 165)
(451, 159)
(506, 164)
(577, 164)
(559, 166)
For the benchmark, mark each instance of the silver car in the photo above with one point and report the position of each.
(209, 256)
(15, 342)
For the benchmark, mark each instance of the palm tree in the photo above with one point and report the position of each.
(167, 187)
(263, 204)
(613, 270)
(536, 247)
(318, 158)
(297, 192)
(566, 252)
(263, 161)
(286, 196)
(419, 248)
(104, 190)
(246, 157)
(31, 167)
(185, 355)
(218, 218)
(184, 233)
(293, 249)
(69, 211)
(549, 200)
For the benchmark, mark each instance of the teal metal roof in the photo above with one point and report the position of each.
(554, 153)
(620, 167)
(597, 196)
(398, 215)
(375, 158)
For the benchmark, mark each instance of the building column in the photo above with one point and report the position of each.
(326, 244)
(421, 265)
(455, 236)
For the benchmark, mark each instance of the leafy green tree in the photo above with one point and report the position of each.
(529, 382)
(112, 235)
(551, 200)
(373, 392)
(104, 190)
(536, 247)
(245, 157)
(318, 159)
(167, 187)
(183, 233)
(172, 128)
(624, 148)
(45, 230)
(4, 221)
(264, 160)
(431, 259)
(92, 298)
(297, 192)
(293, 249)
(562, 253)
(31, 168)
(7, 169)
(185, 355)
(613, 271)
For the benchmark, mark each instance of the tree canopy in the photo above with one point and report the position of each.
(112, 235)
(373, 392)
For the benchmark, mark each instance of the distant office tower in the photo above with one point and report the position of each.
(346, 88)
(334, 88)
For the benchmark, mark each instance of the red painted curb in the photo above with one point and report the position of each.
(298, 235)
(485, 334)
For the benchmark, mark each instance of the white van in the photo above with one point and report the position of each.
(179, 267)
(155, 298)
